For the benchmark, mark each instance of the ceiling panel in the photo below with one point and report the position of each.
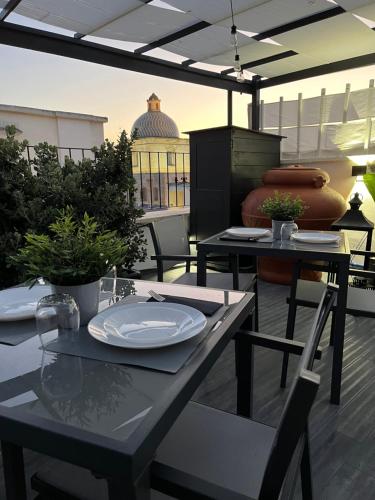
(367, 12)
(353, 4)
(288, 65)
(275, 13)
(76, 15)
(251, 52)
(334, 39)
(213, 11)
(205, 43)
(146, 24)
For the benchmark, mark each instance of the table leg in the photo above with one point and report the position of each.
(118, 489)
(244, 352)
(14, 471)
(201, 268)
(339, 332)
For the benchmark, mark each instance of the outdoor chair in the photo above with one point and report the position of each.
(360, 301)
(211, 454)
(234, 280)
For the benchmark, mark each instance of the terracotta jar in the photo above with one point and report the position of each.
(324, 206)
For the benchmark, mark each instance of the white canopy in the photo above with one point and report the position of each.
(276, 37)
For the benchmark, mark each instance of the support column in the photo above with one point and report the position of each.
(230, 108)
(255, 105)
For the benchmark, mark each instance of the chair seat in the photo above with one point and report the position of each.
(209, 451)
(215, 453)
(360, 301)
(222, 281)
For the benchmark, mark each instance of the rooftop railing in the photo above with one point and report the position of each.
(162, 178)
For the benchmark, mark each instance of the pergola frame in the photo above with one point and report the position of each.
(75, 47)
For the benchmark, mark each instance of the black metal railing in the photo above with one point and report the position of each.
(162, 178)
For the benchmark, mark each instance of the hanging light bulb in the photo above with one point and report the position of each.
(233, 36)
(237, 65)
(240, 77)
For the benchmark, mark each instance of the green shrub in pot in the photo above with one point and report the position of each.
(281, 207)
(72, 257)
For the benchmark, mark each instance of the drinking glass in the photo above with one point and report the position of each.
(287, 229)
(59, 314)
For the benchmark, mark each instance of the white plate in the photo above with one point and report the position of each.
(319, 238)
(144, 325)
(248, 232)
(20, 302)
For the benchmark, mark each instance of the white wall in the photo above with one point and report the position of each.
(55, 127)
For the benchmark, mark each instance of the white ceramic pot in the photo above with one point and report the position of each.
(86, 297)
(276, 228)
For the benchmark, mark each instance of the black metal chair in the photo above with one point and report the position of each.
(360, 301)
(211, 454)
(233, 280)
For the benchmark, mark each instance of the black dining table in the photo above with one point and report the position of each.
(338, 254)
(104, 416)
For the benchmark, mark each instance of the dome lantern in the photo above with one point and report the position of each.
(155, 123)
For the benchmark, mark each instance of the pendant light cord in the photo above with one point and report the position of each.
(232, 15)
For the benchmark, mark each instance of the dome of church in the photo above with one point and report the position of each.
(155, 123)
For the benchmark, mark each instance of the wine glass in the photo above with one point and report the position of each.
(287, 229)
(56, 313)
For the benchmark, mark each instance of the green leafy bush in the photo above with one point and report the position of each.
(369, 180)
(17, 189)
(75, 252)
(281, 206)
(33, 195)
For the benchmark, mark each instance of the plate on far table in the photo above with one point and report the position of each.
(147, 325)
(319, 238)
(248, 232)
(20, 302)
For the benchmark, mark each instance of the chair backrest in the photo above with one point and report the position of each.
(293, 422)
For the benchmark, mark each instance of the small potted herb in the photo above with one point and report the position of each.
(281, 208)
(73, 258)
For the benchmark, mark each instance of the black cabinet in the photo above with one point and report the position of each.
(226, 163)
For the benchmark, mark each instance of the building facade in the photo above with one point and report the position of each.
(74, 133)
(161, 164)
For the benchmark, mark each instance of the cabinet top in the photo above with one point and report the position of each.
(233, 127)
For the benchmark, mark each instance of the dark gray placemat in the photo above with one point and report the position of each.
(167, 359)
(15, 332)
(206, 307)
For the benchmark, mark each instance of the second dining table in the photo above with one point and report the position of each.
(338, 254)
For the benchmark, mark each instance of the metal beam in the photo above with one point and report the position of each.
(173, 36)
(188, 62)
(229, 108)
(324, 69)
(299, 23)
(61, 45)
(265, 60)
(255, 103)
(8, 9)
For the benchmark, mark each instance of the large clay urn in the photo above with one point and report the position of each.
(324, 205)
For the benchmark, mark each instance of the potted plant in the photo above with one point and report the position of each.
(73, 258)
(281, 207)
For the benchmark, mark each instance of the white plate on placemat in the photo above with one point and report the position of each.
(248, 232)
(20, 302)
(318, 238)
(147, 325)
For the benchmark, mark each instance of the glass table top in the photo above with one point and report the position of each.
(105, 398)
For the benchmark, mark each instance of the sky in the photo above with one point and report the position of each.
(46, 81)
